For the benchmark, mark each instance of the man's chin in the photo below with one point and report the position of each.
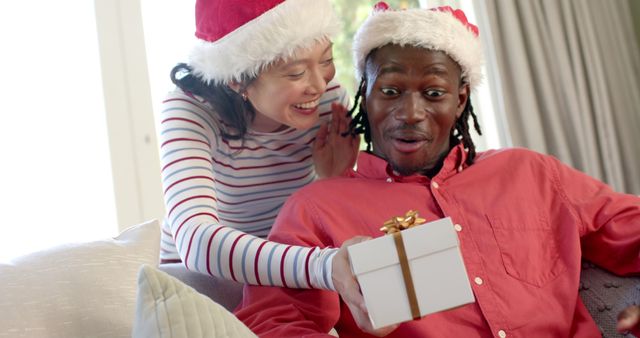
(407, 169)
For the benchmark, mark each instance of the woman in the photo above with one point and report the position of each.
(237, 138)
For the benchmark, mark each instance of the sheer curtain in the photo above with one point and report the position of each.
(570, 74)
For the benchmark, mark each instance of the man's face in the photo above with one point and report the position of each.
(413, 98)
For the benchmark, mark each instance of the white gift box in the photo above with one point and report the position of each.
(437, 270)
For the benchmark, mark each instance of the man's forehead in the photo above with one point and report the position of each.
(391, 67)
(399, 59)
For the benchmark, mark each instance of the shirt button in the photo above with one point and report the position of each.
(478, 280)
(460, 169)
(435, 185)
(389, 180)
(502, 334)
(458, 227)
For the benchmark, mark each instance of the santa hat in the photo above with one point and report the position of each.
(442, 29)
(239, 38)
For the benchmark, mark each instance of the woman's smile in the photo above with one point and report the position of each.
(307, 108)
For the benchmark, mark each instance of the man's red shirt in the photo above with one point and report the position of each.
(525, 221)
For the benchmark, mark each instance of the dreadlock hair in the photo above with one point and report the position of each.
(360, 124)
(460, 131)
(234, 111)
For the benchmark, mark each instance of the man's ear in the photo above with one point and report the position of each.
(463, 96)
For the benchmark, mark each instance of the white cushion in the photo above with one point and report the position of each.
(168, 308)
(77, 290)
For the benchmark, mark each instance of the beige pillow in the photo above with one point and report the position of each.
(168, 308)
(77, 290)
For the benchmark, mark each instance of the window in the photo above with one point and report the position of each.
(169, 28)
(56, 172)
(67, 174)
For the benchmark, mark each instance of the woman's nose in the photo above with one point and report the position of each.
(317, 82)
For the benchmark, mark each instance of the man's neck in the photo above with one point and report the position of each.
(435, 169)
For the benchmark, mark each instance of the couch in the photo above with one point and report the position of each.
(603, 293)
(112, 288)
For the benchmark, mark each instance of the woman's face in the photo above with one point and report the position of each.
(288, 93)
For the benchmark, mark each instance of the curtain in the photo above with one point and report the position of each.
(570, 83)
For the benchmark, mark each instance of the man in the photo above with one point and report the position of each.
(524, 220)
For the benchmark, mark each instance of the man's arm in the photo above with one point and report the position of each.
(610, 221)
(283, 312)
(610, 229)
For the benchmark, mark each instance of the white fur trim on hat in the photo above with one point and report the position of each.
(429, 29)
(275, 34)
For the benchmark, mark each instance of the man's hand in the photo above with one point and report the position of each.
(629, 320)
(348, 288)
(334, 154)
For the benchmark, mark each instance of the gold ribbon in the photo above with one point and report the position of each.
(394, 226)
(399, 223)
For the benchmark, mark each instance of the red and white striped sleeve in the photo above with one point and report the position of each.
(193, 232)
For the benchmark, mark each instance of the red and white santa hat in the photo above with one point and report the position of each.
(239, 38)
(442, 29)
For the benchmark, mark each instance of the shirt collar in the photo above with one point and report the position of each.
(374, 167)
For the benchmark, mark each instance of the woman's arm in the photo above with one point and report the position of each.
(188, 135)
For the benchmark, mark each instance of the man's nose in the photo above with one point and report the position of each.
(413, 108)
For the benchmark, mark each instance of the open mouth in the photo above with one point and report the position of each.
(409, 141)
(410, 137)
(308, 105)
(405, 145)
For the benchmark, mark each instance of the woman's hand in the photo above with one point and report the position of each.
(334, 154)
(629, 320)
(347, 286)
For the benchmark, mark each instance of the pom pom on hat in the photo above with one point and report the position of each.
(442, 29)
(239, 38)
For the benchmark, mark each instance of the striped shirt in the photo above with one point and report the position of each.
(222, 196)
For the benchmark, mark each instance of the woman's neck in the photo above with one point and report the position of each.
(264, 124)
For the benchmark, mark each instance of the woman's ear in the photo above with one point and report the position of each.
(235, 86)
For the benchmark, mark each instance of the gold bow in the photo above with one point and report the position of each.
(399, 223)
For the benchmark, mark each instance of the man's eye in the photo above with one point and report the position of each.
(327, 62)
(433, 93)
(389, 91)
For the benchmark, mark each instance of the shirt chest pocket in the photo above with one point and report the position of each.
(528, 249)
